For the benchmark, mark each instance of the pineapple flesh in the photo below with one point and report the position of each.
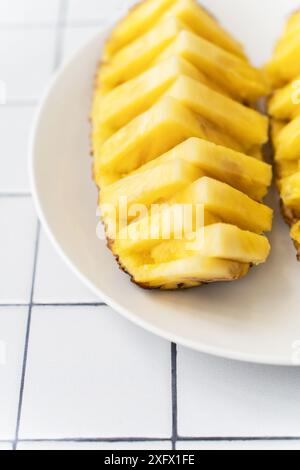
(177, 148)
(283, 107)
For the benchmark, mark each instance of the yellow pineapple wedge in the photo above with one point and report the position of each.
(146, 14)
(219, 240)
(178, 148)
(283, 107)
(245, 173)
(238, 77)
(154, 132)
(228, 203)
(245, 125)
(184, 273)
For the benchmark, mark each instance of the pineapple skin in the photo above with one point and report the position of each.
(193, 272)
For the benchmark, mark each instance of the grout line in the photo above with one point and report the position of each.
(95, 440)
(54, 304)
(174, 395)
(238, 439)
(25, 356)
(14, 195)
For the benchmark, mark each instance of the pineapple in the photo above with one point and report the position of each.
(144, 16)
(177, 147)
(284, 108)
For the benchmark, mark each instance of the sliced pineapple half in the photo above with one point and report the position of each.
(177, 146)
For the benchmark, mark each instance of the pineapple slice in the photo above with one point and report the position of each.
(284, 65)
(247, 174)
(229, 204)
(138, 192)
(285, 168)
(288, 141)
(139, 20)
(165, 125)
(244, 124)
(167, 222)
(136, 58)
(188, 272)
(290, 193)
(238, 77)
(285, 103)
(144, 17)
(125, 102)
(220, 240)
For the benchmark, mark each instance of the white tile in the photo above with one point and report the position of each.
(221, 398)
(55, 282)
(76, 37)
(12, 337)
(15, 123)
(20, 11)
(18, 230)
(154, 445)
(92, 374)
(94, 10)
(26, 60)
(239, 445)
(5, 446)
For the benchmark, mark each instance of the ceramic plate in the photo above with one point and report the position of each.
(256, 319)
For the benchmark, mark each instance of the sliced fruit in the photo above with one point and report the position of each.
(238, 77)
(139, 20)
(165, 125)
(231, 205)
(244, 124)
(136, 58)
(220, 240)
(290, 192)
(285, 103)
(188, 272)
(167, 222)
(138, 192)
(145, 16)
(247, 174)
(288, 141)
(127, 101)
(285, 168)
(284, 65)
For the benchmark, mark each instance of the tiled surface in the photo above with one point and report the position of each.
(18, 229)
(31, 11)
(4, 446)
(15, 123)
(12, 338)
(155, 445)
(93, 361)
(89, 374)
(95, 10)
(233, 399)
(75, 37)
(26, 69)
(246, 445)
(56, 283)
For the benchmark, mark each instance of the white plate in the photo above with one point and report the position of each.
(256, 319)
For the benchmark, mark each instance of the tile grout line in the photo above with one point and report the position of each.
(59, 36)
(174, 395)
(28, 327)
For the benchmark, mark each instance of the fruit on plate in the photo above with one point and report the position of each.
(284, 107)
(177, 145)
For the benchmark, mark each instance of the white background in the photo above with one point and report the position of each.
(73, 373)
